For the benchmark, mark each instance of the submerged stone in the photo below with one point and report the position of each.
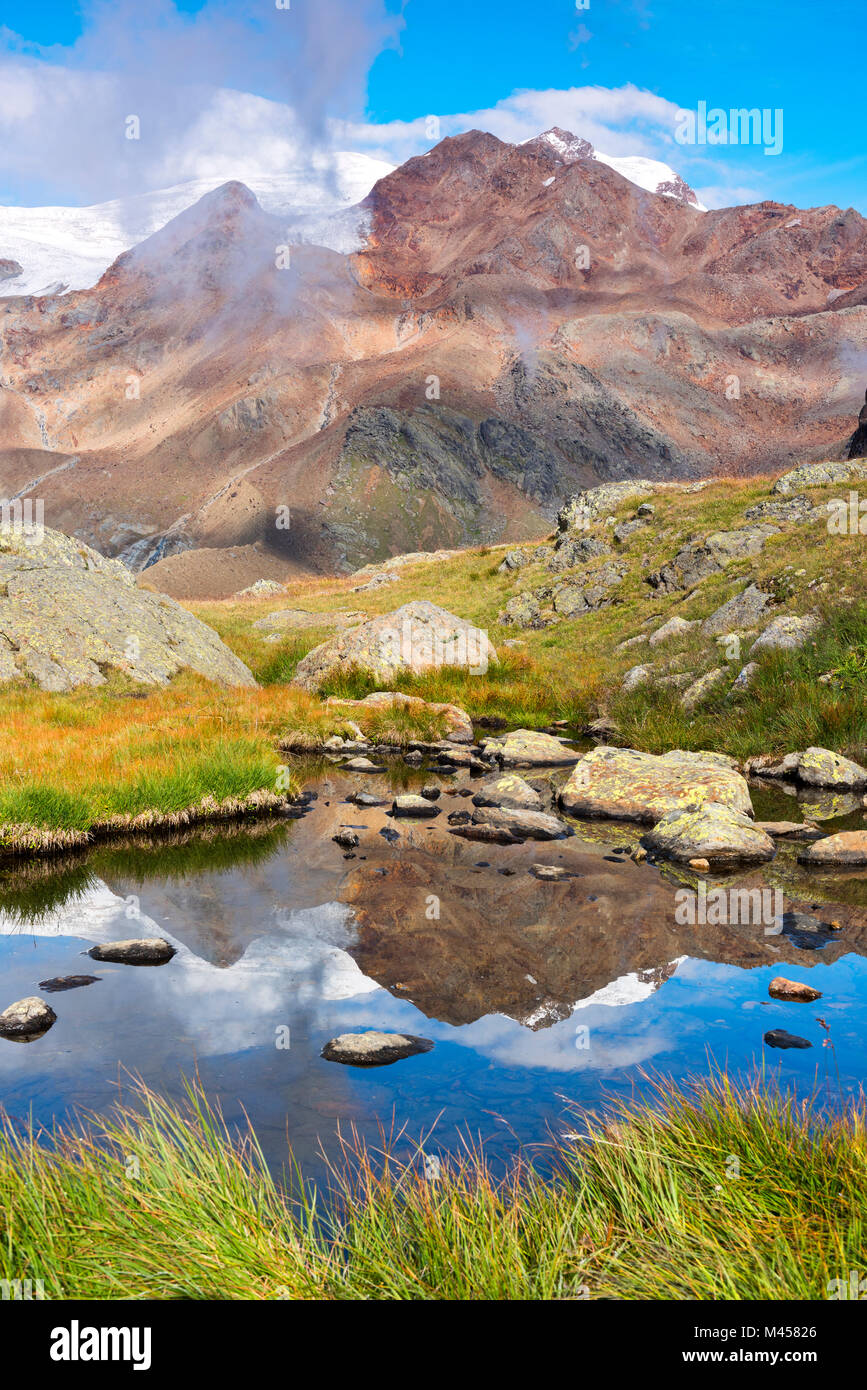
(27, 1019)
(152, 950)
(374, 1049)
(778, 1037)
(530, 825)
(794, 990)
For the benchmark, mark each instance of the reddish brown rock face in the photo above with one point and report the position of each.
(516, 328)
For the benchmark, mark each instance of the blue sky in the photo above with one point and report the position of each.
(385, 65)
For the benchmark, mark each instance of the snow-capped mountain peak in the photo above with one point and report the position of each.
(651, 174)
(52, 249)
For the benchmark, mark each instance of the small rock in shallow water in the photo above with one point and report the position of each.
(346, 839)
(459, 818)
(27, 1018)
(790, 829)
(410, 805)
(388, 834)
(487, 834)
(778, 1037)
(509, 791)
(781, 988)
(530, 825)
(362, 765)
(805, 932)
(844, 850)
(61, 982)
(431, 793)
(528, 748)
(147, 951)
(549, 872)
(373, 1049)
(367, 799)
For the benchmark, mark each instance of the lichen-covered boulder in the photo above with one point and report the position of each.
(419, 636)
(67, 615)
(738, 613)
(695, 693)
(522, 610)
(718, 834)
(819, 475)
(529, 748)
(699, 559)
(820, 767)
(636, 676)
(570, 552)
(624, 784)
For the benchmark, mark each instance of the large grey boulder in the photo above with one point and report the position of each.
(419, 636)
(68, 615)
(624, 784)
(719, 834)
(675, 627)
(739, 613)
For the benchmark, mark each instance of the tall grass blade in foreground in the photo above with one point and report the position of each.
(712, 1192)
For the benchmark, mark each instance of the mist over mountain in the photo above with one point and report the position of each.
(283, 383)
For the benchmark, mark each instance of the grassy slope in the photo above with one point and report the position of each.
(68, 761)
(572, 670)
(716, 1194)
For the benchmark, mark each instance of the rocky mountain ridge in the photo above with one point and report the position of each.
(223, 406)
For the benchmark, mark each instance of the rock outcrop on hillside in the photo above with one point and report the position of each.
(68, 616)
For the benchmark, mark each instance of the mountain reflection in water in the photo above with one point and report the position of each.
(536, 993)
